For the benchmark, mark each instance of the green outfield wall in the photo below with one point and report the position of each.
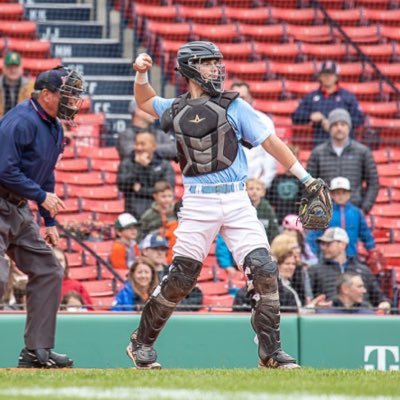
(217, 341)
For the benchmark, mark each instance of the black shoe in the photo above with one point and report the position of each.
(144, 357)
(279, 360)
(43, 358)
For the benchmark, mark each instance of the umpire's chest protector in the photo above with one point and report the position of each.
(206, 141)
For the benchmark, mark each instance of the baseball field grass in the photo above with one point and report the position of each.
(200, 384)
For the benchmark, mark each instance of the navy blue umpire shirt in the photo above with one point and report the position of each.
(30, 144)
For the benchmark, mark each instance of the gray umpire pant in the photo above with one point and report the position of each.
(21, 240)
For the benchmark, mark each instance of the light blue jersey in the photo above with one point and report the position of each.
(247, 125)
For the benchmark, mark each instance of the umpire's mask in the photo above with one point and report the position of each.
(71, 92)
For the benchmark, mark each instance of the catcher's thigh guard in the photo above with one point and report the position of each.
(261, 271)
(179, 282)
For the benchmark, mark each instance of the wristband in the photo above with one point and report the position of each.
(141, 78)
(299, 172)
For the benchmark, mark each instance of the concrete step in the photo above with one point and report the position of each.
(100, 66)
(110, 104)
(56, 12)
(109, 85)
(74, 47)
(69, 29)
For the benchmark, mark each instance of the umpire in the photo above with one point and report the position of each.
(32, 140)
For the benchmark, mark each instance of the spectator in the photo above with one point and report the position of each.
(142, 280)
(161, 211)
(138, 174)
(125, 249)
(346, 157)
(265, 213)
(317, 105)
(335, 263)
(72, 301)
(347, 216)
(14, 88)
(292, 225)
(285, 192)
(224, 256)
(170, 231)
(142, 121)
(261, 165)
(71, 285)
(350, 298)
(155, 247)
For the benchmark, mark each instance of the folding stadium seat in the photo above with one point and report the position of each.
(382, 235)
(237, 51)
(102, 249)
(361, 34)
(256, 70)
(206, 274)
(266, 90)
(212, 15)
(378, 4)
(381, 156)
(101, 192)
(393, 154)
(104, 165)
(98, 153)
(74, 165)
(72, 206)
(383, 196)
(36, 65)
(107, 274)
(217, 33)
(286, 107)
(103, 303)
(387, 17)
(60, 190)
(381, 52)
(101, 206)
(11, 11)
(241, 3)
(302, 71)
(90, 119)
(390, 182)
(332, 4)
(391, 169)
(83, 273)
(259, 15)
(279, 52)
(298, 88)
(364, 90)
(325, 51)
(210, 261)
(100, 288)
(172, 31)
(86, 104)
(348, 17)
(30, 48)
(389, 109)
(349, 72)
(109, 177)
(73, 219)
(214, 288)
(311, 34)
(281, 121)
(264, 33)
(18, 29)
(303, 16)
(217, 303)
(87, 179)
(394, 195)
(167, 13)
(390, 32)
(74, 259)
(197, 3)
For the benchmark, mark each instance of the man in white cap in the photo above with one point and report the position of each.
(347, 216)
(341, 155)
(324, 276)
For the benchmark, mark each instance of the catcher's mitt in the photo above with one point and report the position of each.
(316, 206)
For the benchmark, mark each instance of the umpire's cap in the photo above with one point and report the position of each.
(51, 79)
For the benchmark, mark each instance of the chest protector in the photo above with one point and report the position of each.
(206, 142)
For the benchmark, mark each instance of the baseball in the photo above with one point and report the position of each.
(140, 61)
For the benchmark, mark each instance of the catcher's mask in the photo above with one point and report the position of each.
(189, 59)
(69, 83)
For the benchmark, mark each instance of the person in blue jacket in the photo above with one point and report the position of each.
(142, 280)
(31, 142)
(347, 216)
(317, 105)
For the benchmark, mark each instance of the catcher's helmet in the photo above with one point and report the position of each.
(191, 54)
(69, 83)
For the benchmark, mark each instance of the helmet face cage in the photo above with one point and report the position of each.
(71, 93)
(189, 60)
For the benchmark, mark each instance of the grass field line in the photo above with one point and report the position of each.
(143, 393)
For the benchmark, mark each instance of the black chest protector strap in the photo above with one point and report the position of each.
(206, 141)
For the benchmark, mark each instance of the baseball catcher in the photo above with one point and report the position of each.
(316, 206)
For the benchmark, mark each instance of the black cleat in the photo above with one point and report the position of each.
(144, 357)
(43, 358)
(279, 359)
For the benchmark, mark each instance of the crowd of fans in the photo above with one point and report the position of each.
(319, 271)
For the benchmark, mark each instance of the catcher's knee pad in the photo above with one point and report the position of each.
(181, 279)
(261, 271)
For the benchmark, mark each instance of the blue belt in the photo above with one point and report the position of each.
(223, 188)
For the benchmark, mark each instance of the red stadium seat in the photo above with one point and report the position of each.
(300, 89)
(237, 51)
(311, 34)
(83, 273)
(210, 261)
(100, 153)
(390, 32)
(364, 90)
(362, 34)
(276, 107)
(222, 303)
(72, 206)
(30, 48)
(103, 302)
(99, 288)
(109, 206)
(266, 90)
(304, 71)
(90, 119)
(392, 169)
(212, 15)
(387, 17)
(390, 182)
(18, 29)
(153, 12)
(256, 70)
(218, 33)
(173, 31)
(74, 165)
(214, 288)
(102, 192)
(381, 156)
(381, 52)
(391, 70)
(263, 33)
(74, 259)
(104, 165)
(377, 4)
(101, 248)
(347, 17)
(86, 179)
(11, 11)
(302, 16)
(259, 15)
(278, 52)
(381, 109)
(325, 51)
(74, 219)
(35, 66)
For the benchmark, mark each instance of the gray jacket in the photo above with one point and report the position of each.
(355, 163)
